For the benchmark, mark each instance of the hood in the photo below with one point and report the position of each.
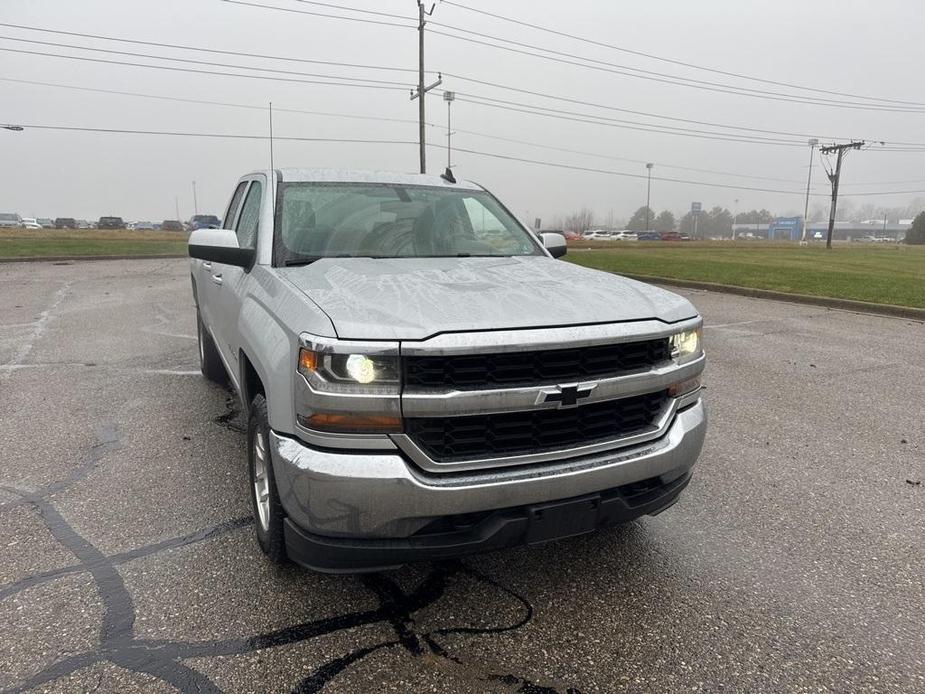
(416, 298)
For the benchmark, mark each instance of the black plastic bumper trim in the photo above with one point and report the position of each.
(532, 524)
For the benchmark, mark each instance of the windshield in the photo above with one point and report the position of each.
(327, 220)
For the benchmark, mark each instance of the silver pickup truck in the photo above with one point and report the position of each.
(422, 379)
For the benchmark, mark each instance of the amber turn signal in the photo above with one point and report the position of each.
(683, 387)
(364, 424)
(308, 360)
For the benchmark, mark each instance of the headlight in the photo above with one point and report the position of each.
(686, 346)
(348, 369)
(348, 388)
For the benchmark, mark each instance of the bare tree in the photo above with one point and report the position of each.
(579, 221)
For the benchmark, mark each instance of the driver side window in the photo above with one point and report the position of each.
(246, 228)
(234, 205)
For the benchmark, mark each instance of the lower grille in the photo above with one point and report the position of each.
(451, 439)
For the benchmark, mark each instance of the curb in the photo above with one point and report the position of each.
(890, 310)
(60, 258)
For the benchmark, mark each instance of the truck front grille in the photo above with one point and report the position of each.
(527, 368)
(450, 439)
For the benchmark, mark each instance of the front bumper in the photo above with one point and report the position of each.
(379, 496)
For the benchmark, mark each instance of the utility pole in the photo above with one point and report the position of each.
(176, 201)
(809, 179)
(449, 97)
(421, 89)
(835, 178)
(648, 191)
(195, 202)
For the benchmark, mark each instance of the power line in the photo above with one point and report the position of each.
(321, 14)
(365, 80)
(207, 102)
(678, 62)
(333, 63)
(409, 121)
(682, 81)
(610, 157)
(232, 136)
(507, 105)
(202, 49)
(617, 69)
(28, 126)
(574, 117)
(626, 110)
(608, 172)
(203, 62)
(201, 72)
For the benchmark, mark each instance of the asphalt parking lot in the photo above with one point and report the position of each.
(795, 561)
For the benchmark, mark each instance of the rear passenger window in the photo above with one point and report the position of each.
(250, 213)
(235, 203)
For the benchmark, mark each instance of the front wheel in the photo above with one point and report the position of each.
(268, 511)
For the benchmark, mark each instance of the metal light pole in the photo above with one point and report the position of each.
(735, 216)
(449, 97)
(176, 201)
(648, 191)
(14, 128)
(195, 202)
(809, 179)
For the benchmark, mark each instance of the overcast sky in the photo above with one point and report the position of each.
(859, 48)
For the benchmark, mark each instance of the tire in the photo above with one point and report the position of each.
(210, 363)
(268, 511)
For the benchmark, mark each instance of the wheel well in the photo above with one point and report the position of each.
(251, 385)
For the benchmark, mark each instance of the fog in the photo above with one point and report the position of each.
(858, 48)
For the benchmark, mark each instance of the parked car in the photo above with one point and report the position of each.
(30, 223)
(624, 235)
(110, 223)
(685, 237)
(9, 219)
(204, 221)
(83, 224)
(670, 236)
(571, 235)
(648, 236)
(144, 226)
(597, 235)
(46, 223)
(172, 225)
(65, 223)
(412, 392)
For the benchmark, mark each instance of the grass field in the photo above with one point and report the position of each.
(24, 243)
(887, 274)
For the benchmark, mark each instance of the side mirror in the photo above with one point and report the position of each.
(555, 244)
(220, 246)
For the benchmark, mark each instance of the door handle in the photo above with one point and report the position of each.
(217, 279)
(206, 265)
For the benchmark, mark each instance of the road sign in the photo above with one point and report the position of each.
(696, 208)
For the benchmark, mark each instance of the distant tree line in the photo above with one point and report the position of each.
(718, 220)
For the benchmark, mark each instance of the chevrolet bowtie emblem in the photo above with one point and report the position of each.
(565, 396)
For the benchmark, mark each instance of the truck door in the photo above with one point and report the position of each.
(204, 272)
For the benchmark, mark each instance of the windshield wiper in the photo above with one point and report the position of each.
(305, 260)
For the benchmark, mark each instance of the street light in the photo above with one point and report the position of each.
(735, 216)
(648, 191)
(809, 179)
